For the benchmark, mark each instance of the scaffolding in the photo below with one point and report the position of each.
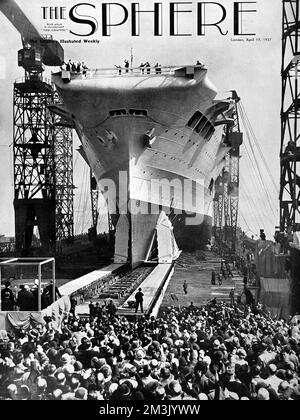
(33, 146)
(235, 139)
(226, 199)
(94, 200)
(63, 176)
(290, 119)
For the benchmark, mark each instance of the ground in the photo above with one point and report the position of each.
(197, 274)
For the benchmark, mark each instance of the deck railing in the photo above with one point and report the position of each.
(121, 71)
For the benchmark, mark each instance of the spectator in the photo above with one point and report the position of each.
(7, 298)
(25, 298)
(157, 68)
(185, 286)
(119, 69)
(84, 68)
(139, 297)
(111, 308)
(188, 353)
(213, 278)
(69, 65)
(142, 68)
(48, 294)
(73, 301)
(126, 65)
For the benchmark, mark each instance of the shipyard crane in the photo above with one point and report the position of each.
(43, 144)
(37, 50)
(290, 120)
(226, 199)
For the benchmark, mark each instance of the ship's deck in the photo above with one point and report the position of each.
(131, 72)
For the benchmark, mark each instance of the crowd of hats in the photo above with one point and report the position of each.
(213, 352)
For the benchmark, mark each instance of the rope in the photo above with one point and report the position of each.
(259, 149)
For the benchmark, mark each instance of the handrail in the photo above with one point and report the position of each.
(118, 70)
(42, 79)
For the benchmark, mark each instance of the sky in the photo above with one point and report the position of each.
(248, 64)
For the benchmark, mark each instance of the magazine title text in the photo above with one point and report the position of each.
(207, 16)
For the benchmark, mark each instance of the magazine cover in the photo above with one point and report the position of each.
(140, 185)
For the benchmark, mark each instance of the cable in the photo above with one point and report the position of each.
(259, 149)
(259, 182)
(249, 131)
(258, 173)
(251, 207)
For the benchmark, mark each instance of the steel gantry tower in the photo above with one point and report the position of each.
(94, 192)
(42, 144)
(290, 118)
(63, 175)
(33, 145)
(235, 139)
(226, 199)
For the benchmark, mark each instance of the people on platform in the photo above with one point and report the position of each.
(157, 68)
(119, 69)
(69, 65)
(25, 298)
(126, 65)
(84, 68)
(142, 68)
(7, 298)
(148, 67)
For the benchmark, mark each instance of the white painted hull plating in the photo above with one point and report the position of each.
(113, 136)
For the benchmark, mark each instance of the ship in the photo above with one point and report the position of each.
(155, 140)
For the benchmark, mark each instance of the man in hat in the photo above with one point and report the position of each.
(111, 308)
(48, 293)
(139, 298)
(231, 297)
(35, 293)
(7, 298)
(25, 298)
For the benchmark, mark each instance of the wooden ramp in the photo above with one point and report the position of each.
(88, 279)
(151, 287)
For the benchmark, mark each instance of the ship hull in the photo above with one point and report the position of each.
(152, 142)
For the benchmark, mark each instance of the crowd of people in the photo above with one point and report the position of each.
(217, 351)
(75, 67)
(224, 273)
(145, 68)
(27, 298)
